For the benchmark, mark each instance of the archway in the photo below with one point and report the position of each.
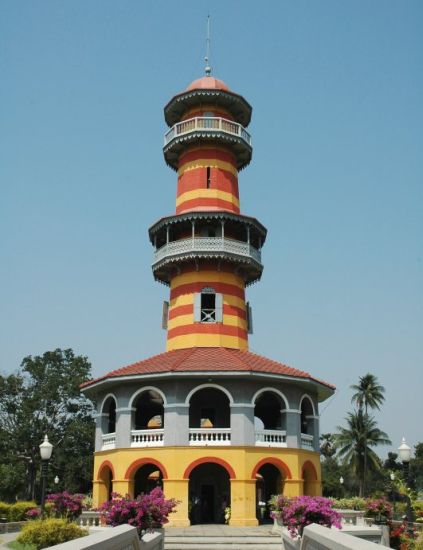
(149, 410)
(146, 478)
(309, 475)
(105, 477)
(209, 493)
(209, 407)
(270, 475)
(307, 416)
(108, 411)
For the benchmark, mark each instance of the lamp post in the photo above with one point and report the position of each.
(404, 452)
(341, 481)
(392, 476)
(46, 448)
(56, 480)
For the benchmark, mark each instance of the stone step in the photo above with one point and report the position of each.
(222, 543)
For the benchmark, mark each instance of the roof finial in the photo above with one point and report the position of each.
(207, 58)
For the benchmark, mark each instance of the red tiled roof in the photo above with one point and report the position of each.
(216, 359)
(208, 83)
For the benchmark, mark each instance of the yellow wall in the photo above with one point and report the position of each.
(242, 460)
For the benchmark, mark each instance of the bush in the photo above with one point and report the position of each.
(353, 503)
(4, 510)
(65, 505)
(145, 512)
(43, 533)
(17, 511)
(304, 510)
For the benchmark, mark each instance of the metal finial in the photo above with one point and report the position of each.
(208, 69)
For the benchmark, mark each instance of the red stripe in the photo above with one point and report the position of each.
(180, 310)
(206, 204)
(190, 288)
(213, 154)
(197, 179)
(207, 328)
(234, 310)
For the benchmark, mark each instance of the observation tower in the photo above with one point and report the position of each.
(212, 423)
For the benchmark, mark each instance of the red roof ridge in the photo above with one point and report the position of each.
(189, 352)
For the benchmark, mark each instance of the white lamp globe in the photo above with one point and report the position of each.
(46, 448)
(404, 451)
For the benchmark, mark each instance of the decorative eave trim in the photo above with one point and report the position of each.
(204, 215)
(327, 390)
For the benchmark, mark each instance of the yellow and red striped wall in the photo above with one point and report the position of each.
(185, 332)
(207, 180)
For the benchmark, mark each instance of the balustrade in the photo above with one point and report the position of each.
(108, 441)
(207, 244)
(147, 438)
(270, 438)
(213, 124)
(209, 436)
(307, 441)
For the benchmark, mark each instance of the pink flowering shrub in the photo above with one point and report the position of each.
(303, 511)
(144, 512)
(34, 513)
(65, 505)
(378, 508)
(277, 505)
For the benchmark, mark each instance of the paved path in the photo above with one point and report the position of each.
(5, 538)
(213, 530)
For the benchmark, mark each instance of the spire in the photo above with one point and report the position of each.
(207, 68)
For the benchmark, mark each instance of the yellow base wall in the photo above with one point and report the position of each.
(300, 470)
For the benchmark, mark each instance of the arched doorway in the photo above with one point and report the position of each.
(209, 408)
(309, 479)
(105, 477)
(209, 493)
(146, 478)
(269, 482)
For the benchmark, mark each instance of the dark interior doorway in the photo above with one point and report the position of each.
(209, 491)
(146, 478)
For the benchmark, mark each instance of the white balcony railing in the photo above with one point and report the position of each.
(147, 438)
(270, 438)
(209, 436)
(209, 125)
(207, 244)
(108, 441)
(307, 441)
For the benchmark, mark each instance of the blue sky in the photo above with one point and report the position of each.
(336, 178)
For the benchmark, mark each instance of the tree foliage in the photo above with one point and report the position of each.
(43, 397)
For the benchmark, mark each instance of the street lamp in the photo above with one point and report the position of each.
(341, 481)
(392, 476)
(46, 448)
(404, 452)
(56, 480)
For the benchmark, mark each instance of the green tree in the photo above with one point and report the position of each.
(356, 441)
(368, 394)
(43, 397)
(327, 445)
(416, 467)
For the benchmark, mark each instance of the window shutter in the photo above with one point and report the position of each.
(219, 308)
(165, 314)
(197, 307)
(249, 318)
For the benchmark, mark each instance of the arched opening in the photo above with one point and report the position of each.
(149, 411)
(270, 418)
(269, 482)
(307, 416)
(105, 477)
(209, 493)
(209, 417)
(309, 479)
(108, 411)
(146, 478)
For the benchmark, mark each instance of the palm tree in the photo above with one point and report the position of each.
(355, 441)
(368, 394)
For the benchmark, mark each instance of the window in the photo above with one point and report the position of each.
(208, 177)
(208, 306)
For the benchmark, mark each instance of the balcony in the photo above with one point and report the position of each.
(108, 441)
(209, 436)
(206, 128)
(204, 246)
(270, 438)
(147, 438)
(307, 442)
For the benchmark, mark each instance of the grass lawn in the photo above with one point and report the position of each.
(18, 546)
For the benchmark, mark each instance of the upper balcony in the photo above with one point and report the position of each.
(198, 129)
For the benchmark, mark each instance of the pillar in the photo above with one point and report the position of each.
(243, 502)
(176, 425)
(293, 428)
(242, 424)
(177, 489)
(123, 427)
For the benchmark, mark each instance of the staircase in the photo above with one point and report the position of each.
(222, 537)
